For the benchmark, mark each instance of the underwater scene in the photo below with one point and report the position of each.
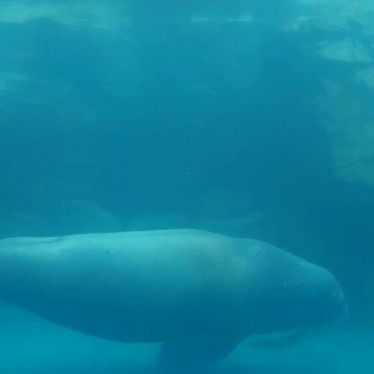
(187, 186)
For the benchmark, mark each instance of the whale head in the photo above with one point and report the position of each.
(290, 292)
(323, 300)
(312, 300)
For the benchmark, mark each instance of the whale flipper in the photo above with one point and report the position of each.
(195, 351)
(281, 340)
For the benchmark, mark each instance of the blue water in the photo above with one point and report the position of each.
(122, 115)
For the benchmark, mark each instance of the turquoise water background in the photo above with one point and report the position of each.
(250, 118)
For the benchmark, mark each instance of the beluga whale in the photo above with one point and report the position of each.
(196, 293)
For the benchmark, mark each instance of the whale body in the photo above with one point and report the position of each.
(197, 293)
